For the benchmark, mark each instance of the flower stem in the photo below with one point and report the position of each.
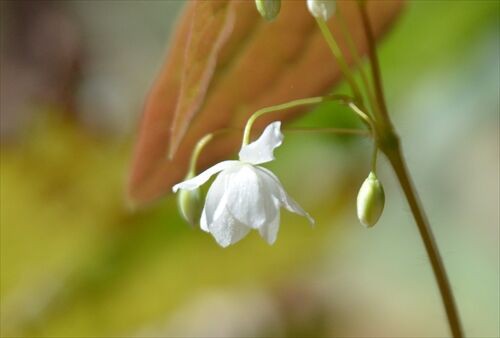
(374, 158)
(389, 143)
(374, 64)
(366, 118)
(196, 153)
(200, 145)
(306, 101)
(260, 112)
(357, 60)
(337, 53)
(202, 142)
(345, 131)
(398, 164)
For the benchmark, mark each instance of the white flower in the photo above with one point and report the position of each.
(245, 196)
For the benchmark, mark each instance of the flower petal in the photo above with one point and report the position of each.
(277, 190)
(227, 230)
(203, 221)
(269, 231)
(261, 150)
(248, 198)
(216, 199)
(198, 180)
(208, 215)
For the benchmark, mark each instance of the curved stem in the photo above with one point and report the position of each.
(396, 159)
(196, 153)
(364, 117)
(301, 102)
(388, 142)
(260, 112)
(345, 131)
(200, 145)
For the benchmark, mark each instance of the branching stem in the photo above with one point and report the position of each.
(357, 61)
(340, 131)
(390, 145)
(202, 143)
(306, 101)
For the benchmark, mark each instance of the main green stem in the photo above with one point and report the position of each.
(389, 143)
(396, 159)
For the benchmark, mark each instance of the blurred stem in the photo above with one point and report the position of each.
(388, 142)
(196, 153)
(357, 61)
(374, 64)
(337, 53)
(200, 145)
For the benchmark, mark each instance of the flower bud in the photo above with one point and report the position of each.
(321, 9)
(370, 202)
(268, 9)
(189, 205)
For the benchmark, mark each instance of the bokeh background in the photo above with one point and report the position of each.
(76, 262)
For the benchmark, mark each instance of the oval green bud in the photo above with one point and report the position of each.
(371, 200)
(268, 9)
(189, 203)
(321, 9)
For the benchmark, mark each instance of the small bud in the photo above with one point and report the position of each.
(268, 9)
(189, 205)
(370, 202)
(321, 9)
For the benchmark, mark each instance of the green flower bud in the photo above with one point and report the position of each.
(370, 202)
(268, 9)
(190, 207)
(321, 9)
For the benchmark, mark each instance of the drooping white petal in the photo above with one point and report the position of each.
(216, 199)
(227, 230)
(261, 150)
(198, 180)
(277, 190)
(248, 198)
(214, 210)
(203, 221)
(269, 231)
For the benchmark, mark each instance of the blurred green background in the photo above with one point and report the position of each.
(76, 262)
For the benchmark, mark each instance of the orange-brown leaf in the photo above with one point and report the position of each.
(218, 76)
(210, 27)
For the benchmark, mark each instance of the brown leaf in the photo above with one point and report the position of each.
(218, 76)
(210, 27)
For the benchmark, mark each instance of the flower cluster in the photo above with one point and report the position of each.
(246, 196)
